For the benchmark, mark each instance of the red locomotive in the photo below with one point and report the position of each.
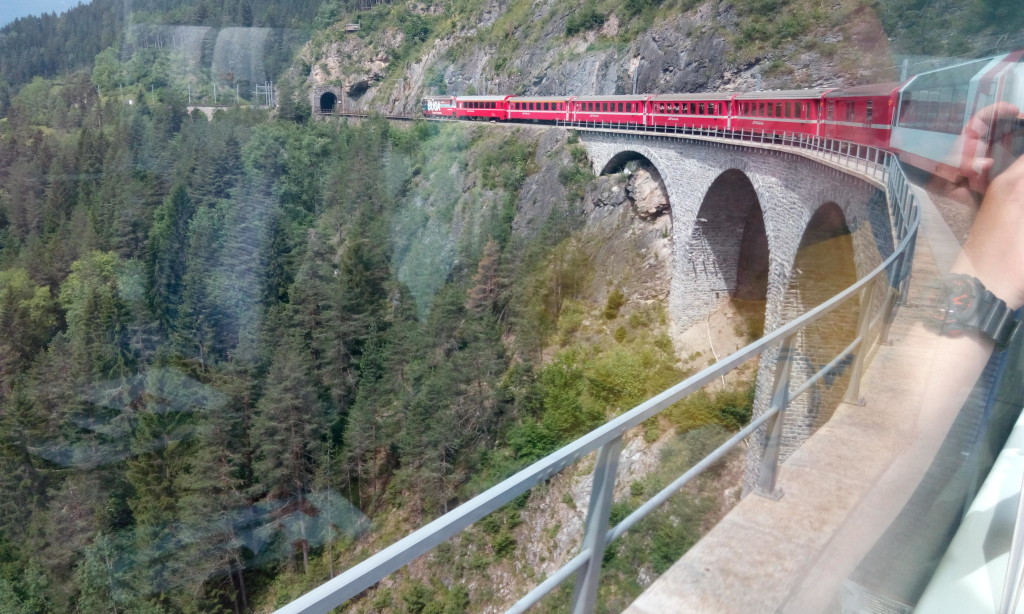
(923, 120)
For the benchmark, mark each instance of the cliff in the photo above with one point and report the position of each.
(554, 47)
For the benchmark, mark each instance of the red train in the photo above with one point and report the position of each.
(922, 120)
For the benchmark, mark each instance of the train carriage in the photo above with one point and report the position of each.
(680, 111)
(861, 114)
(617, 111)
(782, 111)
(482, 107)
(539, 108)
(439, 106)
(934, 109)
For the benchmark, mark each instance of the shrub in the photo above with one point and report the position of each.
(587, 19)
(615, 302)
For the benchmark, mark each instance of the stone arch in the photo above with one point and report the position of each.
(328, 102)
(619, 161)
(824, 265)
(727, 256)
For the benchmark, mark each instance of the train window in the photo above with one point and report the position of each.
(778, 109)
(938, 101)
(760, 109)
(798, 110)
(869, 111)
(700, 108)
(771, 110)
(789, 109)
(851, 111)
(547, 106)
(831, 109)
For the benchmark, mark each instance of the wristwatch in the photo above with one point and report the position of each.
(966, 305)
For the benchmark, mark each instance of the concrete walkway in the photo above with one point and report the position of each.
(781, 556)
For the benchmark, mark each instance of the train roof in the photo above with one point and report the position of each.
(618, 98)
(874, 89)
(539, 98)
(713, 96)
(482, 98)
(783, 94)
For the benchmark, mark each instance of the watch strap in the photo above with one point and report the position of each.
(991, 316)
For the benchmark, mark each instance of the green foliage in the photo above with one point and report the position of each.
(107, 73)
(586, 19)
(576, 176)
(505, 162)
(730, 408)
(616, 299)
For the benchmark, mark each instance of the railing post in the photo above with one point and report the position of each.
(852, 395)
(768, 472)
(599, 511)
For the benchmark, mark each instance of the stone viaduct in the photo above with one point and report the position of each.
(770, 228)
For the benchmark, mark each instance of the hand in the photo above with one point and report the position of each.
(973, 152)
(995, 246)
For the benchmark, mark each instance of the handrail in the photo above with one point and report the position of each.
(607, 439)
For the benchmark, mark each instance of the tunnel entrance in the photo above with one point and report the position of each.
(328, 102)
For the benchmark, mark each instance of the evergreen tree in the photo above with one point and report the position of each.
(288, 429)
(167, 254)
(97, 317)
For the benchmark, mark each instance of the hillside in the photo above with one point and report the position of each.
(570, 46)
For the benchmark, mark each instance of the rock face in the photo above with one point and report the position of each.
(648, 194)
(688, 52)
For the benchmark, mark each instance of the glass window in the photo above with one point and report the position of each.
(869, 111)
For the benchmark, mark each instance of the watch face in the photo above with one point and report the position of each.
(961, 304)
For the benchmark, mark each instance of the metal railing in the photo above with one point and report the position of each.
(864, 160)
(879, 293)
